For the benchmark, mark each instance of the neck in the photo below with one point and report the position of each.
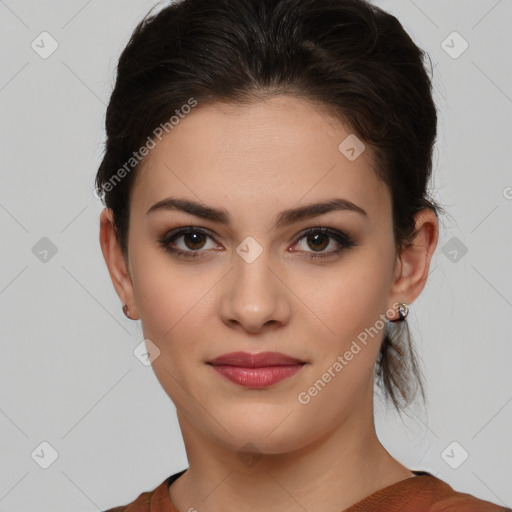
(328, 474)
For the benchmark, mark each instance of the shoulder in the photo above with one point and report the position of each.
(463, 502)
(427, 493)
(443, 498)
(144, 501)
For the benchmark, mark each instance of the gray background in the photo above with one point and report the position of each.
(68, 375)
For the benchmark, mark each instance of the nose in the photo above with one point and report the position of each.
(255, 297)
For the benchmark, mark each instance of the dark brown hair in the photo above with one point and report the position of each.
(348, 56)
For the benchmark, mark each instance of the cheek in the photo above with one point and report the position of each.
(174, 302)
(173, 305)
(161, 295)
(353, 298)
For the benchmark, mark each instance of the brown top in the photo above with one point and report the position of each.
(421, 493)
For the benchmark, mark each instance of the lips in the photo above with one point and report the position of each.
(259, 360)
(256, 370)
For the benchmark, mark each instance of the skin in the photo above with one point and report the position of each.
(255, 161)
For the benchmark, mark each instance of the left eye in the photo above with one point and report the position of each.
(320, 238)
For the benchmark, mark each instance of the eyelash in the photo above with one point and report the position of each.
(345, 241)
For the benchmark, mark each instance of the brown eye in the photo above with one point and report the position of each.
(194, 240)
(187, 242)
(318, 239)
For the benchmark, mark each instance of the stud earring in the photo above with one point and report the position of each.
(126, 311)
(403, 311)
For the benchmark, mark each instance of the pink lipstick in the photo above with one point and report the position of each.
(256, 370)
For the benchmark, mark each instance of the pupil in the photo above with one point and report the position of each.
(196, 239)
(316, 237)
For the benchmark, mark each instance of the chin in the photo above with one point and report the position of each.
(265, 433)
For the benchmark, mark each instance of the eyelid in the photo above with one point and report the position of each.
(178, 232)
(344, 241)
(341, 238)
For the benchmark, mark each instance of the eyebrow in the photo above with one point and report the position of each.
(284, 218)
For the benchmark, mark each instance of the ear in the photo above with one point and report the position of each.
(116, 263)
(413, 261)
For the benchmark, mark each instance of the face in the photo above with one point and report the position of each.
(252, 279)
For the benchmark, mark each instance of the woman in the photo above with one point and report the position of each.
(268, 221)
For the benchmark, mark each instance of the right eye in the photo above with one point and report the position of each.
(192, 245)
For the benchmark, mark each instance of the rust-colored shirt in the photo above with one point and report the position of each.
(421, 493)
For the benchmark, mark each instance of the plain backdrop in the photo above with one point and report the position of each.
(74, 398)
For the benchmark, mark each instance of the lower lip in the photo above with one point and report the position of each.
(257, 377)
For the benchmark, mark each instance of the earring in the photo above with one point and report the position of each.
(126, 311)
(403, 311)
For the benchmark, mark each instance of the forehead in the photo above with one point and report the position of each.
(264, 156)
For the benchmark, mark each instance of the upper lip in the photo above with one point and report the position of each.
(261, 359)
